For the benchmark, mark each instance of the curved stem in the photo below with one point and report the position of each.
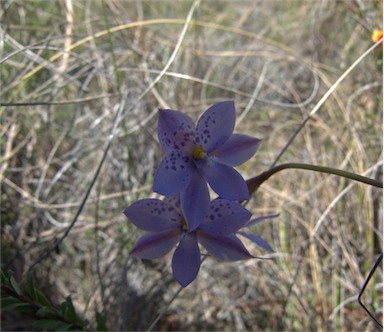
(255, 182)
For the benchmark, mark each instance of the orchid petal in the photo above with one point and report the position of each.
(173, 174)
(236, 150)
(223, 247)
(224, 180)
(176, 131)
(195, 201)
(260, 219)
(186, 260)
(216, 125)
(225, 217)
(258, 240)
(153, 215)
(155, 245)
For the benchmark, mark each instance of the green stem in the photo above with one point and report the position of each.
(255, 182)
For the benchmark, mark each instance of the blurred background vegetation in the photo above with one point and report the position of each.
(83, 73)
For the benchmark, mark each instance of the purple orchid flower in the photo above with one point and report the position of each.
(167, 228)
(199, 154)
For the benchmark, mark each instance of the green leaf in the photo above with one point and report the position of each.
(41, 312)
(69, 311)
(30, 288)
(8, 300)
(10, 303)
(4, 279)
(100, 322)
(15, 285)
(40, 298)
(15, 306)
(51, 324)
(44, 311)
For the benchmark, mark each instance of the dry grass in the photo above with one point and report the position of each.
(77, 84)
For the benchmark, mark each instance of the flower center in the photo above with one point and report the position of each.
(198, 153)
(184, 225)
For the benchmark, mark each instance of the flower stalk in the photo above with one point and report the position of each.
(255, 182)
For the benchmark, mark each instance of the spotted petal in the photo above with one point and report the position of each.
(186, 260)
(258, 240)
(236, 150)
(153, 215)
(176, 131)
(155, 245)
(173, 174)
(223, 247)
(195, 201)
(216, 125)
(225, 217)
(225, 181)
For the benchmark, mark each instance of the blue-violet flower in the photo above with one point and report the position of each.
(199, 154)
(167, 228)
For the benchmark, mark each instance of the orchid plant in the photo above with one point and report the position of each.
(197, 156)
